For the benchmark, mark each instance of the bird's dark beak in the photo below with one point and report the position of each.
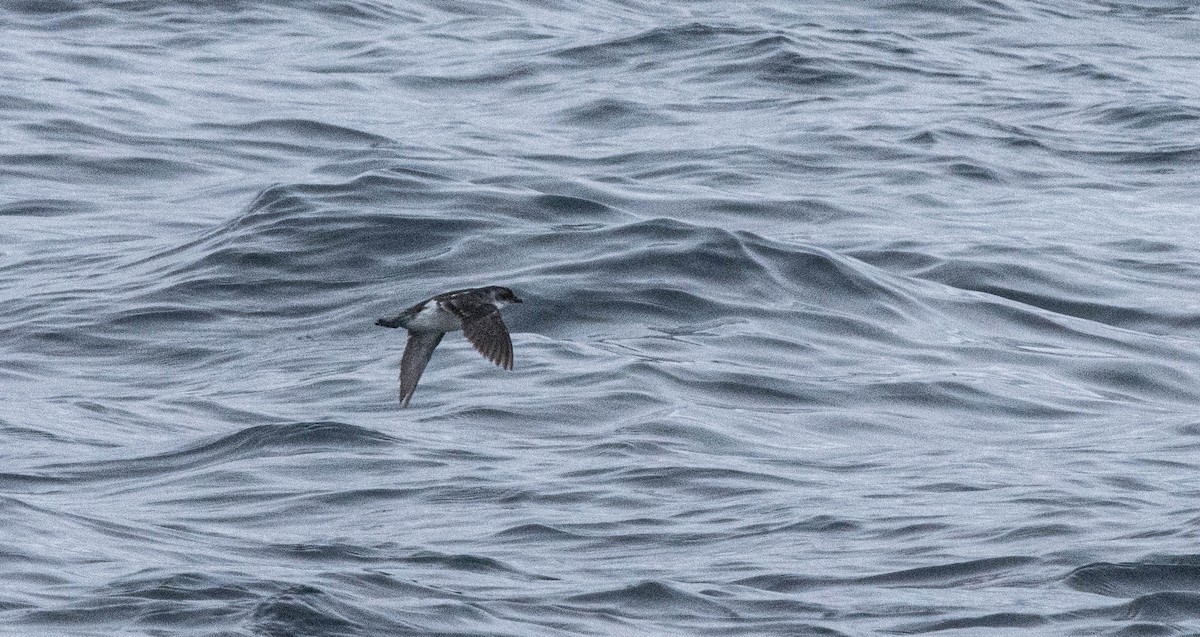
(517, 299)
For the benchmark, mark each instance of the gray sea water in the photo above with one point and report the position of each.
(840, 318)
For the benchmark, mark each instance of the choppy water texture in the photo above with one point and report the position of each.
(841, 319)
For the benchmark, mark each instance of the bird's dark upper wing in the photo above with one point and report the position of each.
(482, 325)
(416, 355)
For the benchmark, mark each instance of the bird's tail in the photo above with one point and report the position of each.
(399, 321)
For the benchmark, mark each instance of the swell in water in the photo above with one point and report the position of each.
(838, 320)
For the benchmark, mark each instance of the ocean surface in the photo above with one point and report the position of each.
(840, 318)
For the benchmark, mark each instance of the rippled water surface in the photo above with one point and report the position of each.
(840, 319)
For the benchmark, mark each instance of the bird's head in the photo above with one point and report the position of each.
(502, 296)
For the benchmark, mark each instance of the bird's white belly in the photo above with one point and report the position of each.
(431, 319)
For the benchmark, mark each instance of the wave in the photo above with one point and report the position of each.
(258, 441)
(651, 294)
(1137, 579)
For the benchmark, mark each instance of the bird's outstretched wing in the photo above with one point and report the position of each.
(490, 337)
(416, 356)
(482, 325)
